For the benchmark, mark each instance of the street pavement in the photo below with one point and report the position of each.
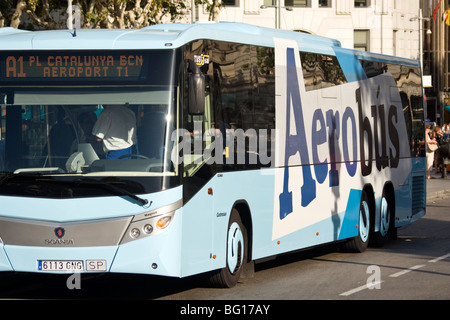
(438, 188)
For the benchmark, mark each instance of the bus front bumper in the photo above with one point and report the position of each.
(87, 247)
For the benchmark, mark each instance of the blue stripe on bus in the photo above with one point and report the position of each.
(350, 65)
(351, 217)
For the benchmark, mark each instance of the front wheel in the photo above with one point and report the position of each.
(229, 276)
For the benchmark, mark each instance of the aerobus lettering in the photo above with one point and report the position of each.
(333, 125)
(319, 137)
(382, 160)
(365, 134)
(394, 137)
(350, 163)
(297, 143)
(330, 127)
(372, 137)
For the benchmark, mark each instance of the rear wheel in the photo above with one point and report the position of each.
(236, 254)
(361, 241)
(379, 238)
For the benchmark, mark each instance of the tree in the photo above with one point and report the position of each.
(129, 13)
(52, 14)
(211, 6)
(39, 13)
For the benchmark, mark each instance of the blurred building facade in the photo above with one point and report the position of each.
(436, 54)
(381, 26)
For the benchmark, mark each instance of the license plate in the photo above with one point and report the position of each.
(60, 265)
(95, 265)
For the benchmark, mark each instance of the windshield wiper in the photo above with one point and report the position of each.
(111, 185)
(107, 185)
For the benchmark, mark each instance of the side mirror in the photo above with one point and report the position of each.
(197, 85)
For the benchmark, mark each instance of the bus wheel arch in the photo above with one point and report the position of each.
(243, 209)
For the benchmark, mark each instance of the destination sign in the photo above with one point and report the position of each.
(73, 67)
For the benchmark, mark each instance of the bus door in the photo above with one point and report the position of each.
(198, 173)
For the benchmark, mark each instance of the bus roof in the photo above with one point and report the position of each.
(160, 36)
(164, 36)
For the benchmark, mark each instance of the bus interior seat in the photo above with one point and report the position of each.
(89, 153)
(83, 157)
(75, 162)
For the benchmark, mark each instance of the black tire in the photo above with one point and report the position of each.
(360, 243)
(229, 276)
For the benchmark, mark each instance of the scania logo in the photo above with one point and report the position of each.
(59, 242)
(59, 232)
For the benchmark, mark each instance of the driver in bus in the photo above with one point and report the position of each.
(116, 128)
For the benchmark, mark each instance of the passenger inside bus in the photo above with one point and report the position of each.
(61, 136)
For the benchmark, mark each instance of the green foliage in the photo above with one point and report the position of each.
(52, 14)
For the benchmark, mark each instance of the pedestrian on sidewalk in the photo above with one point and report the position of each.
(431, 147)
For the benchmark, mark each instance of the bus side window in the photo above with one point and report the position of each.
(321, 71)
(201, 129)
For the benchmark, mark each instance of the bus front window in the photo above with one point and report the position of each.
(121, 134)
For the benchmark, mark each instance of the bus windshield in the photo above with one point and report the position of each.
(87, 134)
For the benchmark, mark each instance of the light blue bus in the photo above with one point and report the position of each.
(244, 143)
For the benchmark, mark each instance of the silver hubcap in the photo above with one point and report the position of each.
(364, 224)
(235, 248)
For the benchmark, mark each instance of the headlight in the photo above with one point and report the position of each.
(135, 233)
(163, 222)
(155, 223)
(148, 228)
